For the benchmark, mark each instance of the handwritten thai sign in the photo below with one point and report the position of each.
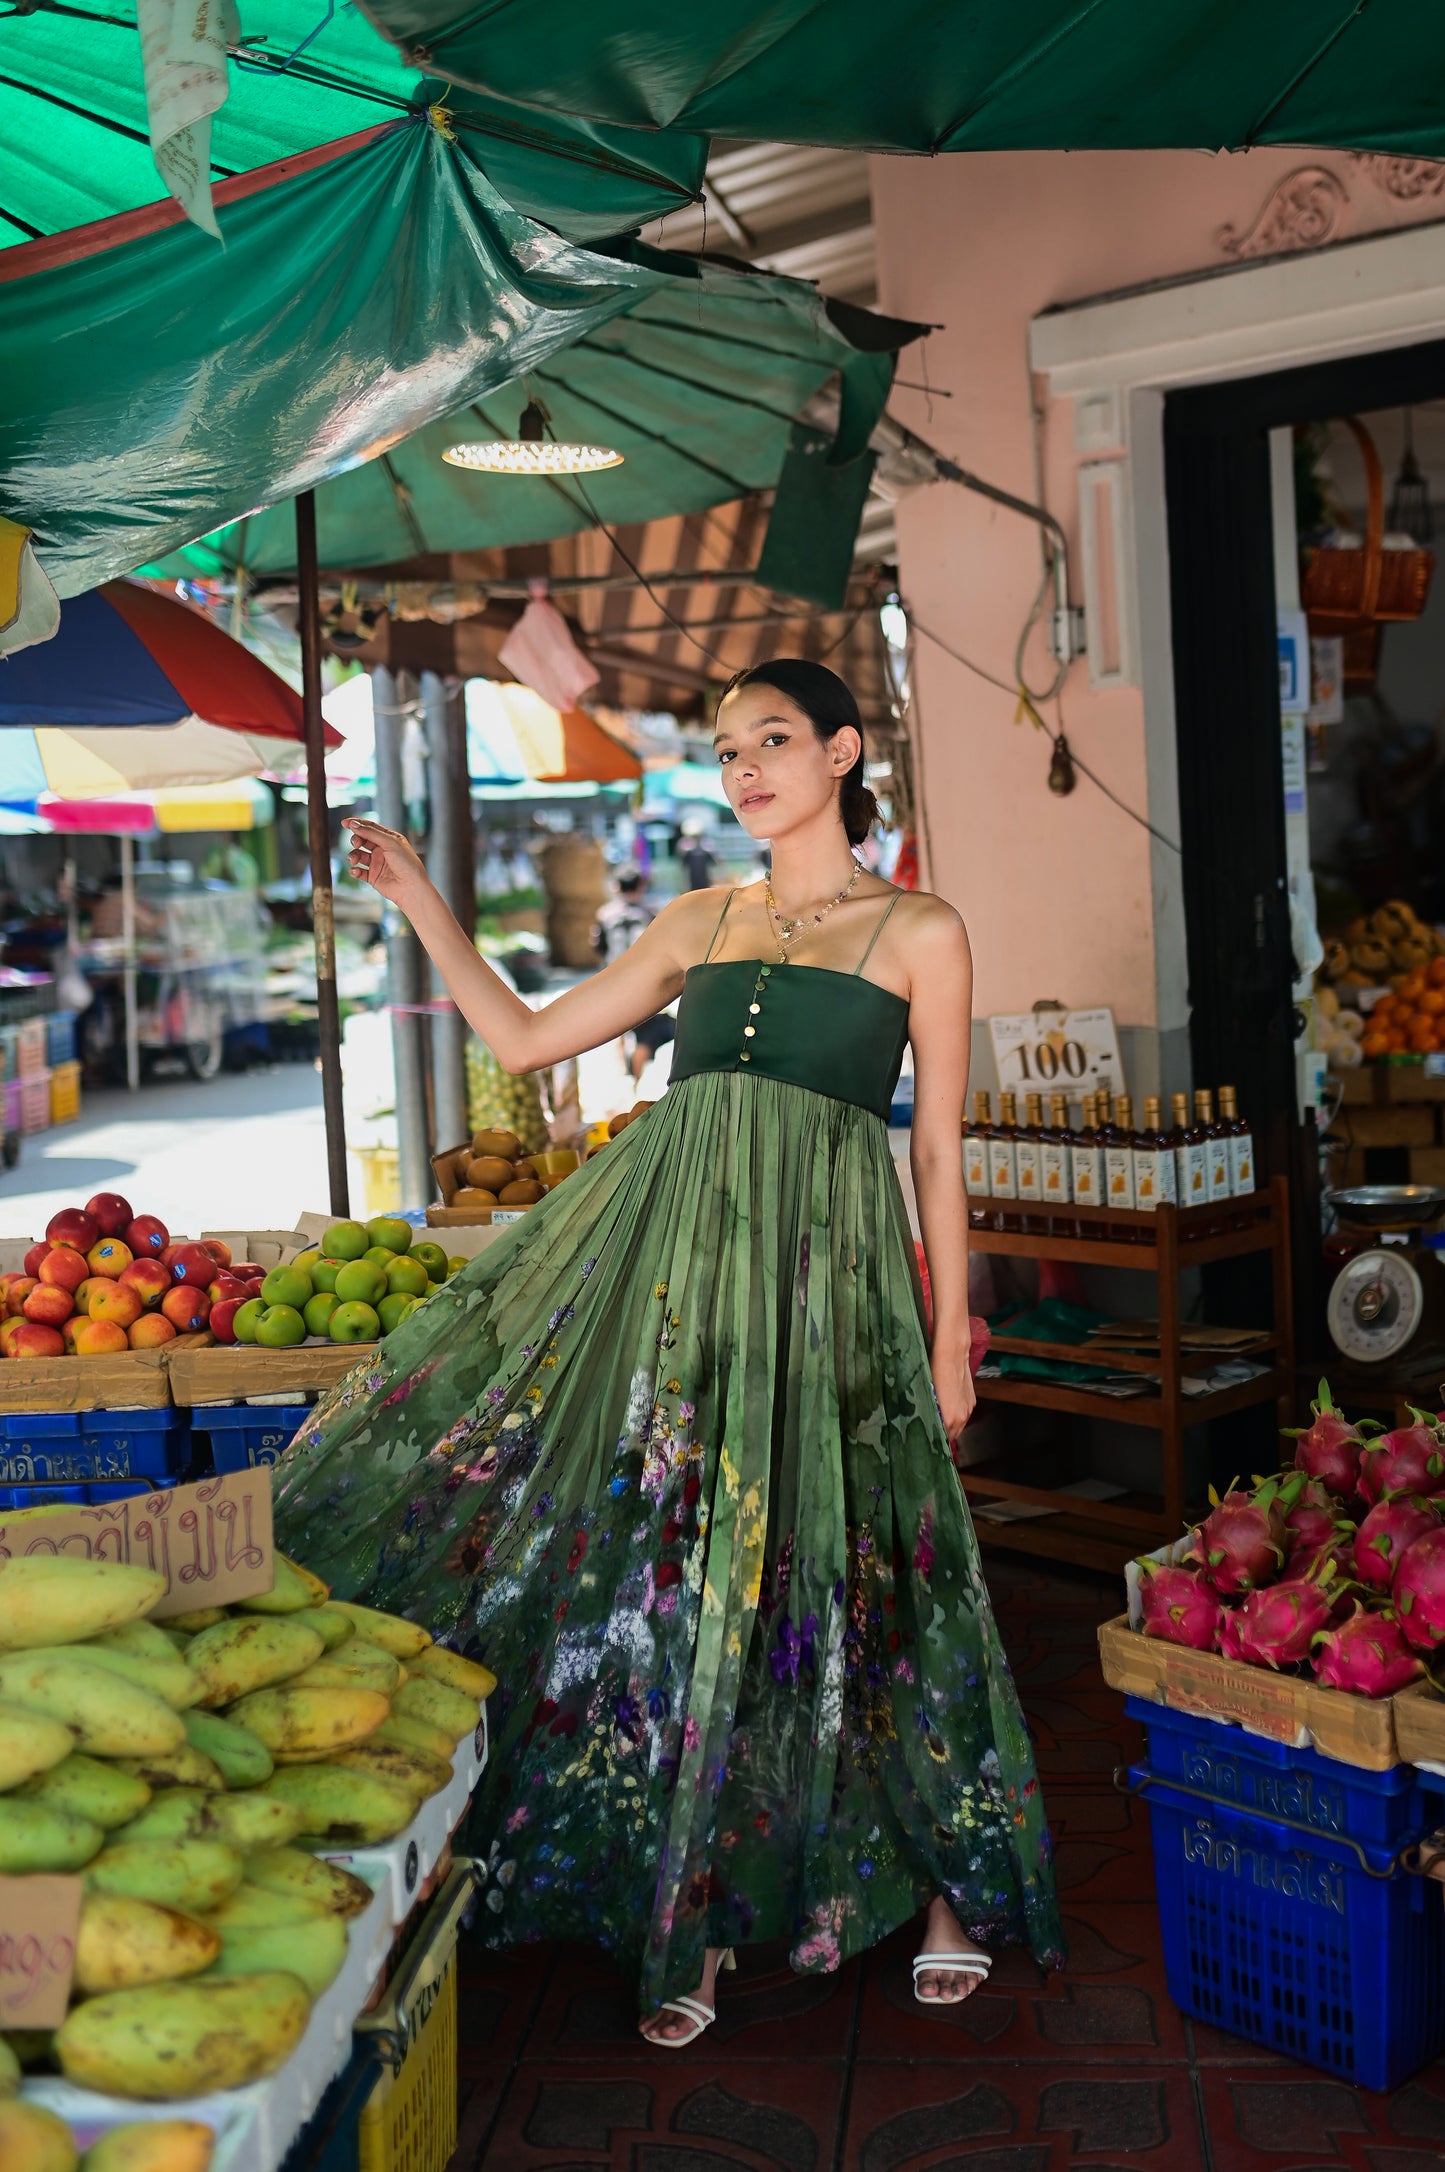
(39, 1922)
(211, 1541)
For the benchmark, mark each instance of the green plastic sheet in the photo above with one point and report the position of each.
(923, 76)
(75, 142)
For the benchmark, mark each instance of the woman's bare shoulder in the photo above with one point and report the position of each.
(923, 915)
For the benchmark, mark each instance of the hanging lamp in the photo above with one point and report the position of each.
(533, 451)
(1410, 500)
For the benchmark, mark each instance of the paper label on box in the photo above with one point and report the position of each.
(211, 1541)
(39, 1924)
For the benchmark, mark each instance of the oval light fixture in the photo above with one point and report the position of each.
(532, 451)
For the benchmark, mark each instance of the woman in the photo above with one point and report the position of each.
(673, 1456)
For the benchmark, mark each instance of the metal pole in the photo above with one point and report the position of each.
(448, 1027)
(127, 929)
(403, 960)
(318, 824)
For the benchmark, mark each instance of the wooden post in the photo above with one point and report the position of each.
(448, 1027)
(1171, 1367)
(405, 975)
(318, 825)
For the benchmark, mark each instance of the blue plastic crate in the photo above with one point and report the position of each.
(13, 1497)
(71, 1447)
(1308, 1943)
(60, 1046)
(243, 1434)
(126, 1489)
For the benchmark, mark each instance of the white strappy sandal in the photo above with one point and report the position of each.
(976, 1965)
(692, 2010)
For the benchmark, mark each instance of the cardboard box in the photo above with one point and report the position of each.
(1420, 1729)
(1358, 1088)
(126, 1380)
(1356, 1730)
(1427, 1165)
(446, 1216)
(1401, 1083)
(217, 1372)
(1402, 1124)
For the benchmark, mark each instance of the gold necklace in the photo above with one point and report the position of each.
(787, 931)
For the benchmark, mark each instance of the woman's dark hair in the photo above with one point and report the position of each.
(828, 705)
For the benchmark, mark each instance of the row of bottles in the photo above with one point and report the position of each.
(1106, 1162)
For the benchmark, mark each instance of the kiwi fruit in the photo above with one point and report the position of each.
(619, 1122)
(526, 1168)
(525, 1193)
(505, 1144)
(477, 1201)
(461, 1164)
(488, 1172)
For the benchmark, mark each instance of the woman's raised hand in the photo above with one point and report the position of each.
(385, 859)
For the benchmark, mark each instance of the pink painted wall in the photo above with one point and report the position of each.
(1056, 892)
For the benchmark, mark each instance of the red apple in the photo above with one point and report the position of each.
(17, 1293)
(47, 1305)
(100, 1338)
(169, 1252)
(118, 1301)
(64, 1269)
(219, 1250)
(69, 1329)
(110, 1257)
(222, 1316)
(72, 1227)
(87, 1290)
(150, 1281)
(192, 1263)
(111, 1214)
(34, 1340)
(246, 1268)
(9, 1329)
(16, 1274)
(33, 1257)
(226, 1285)
(150, 1331)
(186, 1307)
(146, 1236)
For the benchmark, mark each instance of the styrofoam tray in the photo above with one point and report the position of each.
(409, 1860)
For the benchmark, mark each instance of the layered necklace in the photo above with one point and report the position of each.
(788, 931)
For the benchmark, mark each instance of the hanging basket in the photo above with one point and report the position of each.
(1351, 592)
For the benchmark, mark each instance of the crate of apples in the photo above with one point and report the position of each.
(359, 1283)
(105, 1279)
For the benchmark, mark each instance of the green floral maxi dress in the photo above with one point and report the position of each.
(669, 1459)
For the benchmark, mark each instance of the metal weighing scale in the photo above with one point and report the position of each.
(1386, 1306)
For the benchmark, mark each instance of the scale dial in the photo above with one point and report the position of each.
(1374, 1308)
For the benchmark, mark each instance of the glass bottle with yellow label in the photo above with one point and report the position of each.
(1028, 1160)
(1087, 1159)
(1055, 1163)
(1241, 1144)
(1003, 1168)
(1153, 1162)
(1216, 1147)
(1190, 1169)
(1119, 1158)
(975, 1150)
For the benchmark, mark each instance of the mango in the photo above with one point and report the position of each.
(29, 1744)
(303, 1723)
(34, 2140)
(167, 2041)
(191, 1875)
(152, 2145)
(330, 1623)
(438, 1664)
(292, 1874)
(199, 1617)
(108, 1716)
(178, 1639)
(359, 1666)
(251, 1905)
(241, 1757)
(9, 2070)
(319, 1591)
(246, 1820)
(289, 1592)
(184, 1766)
(312, 1949)
(249, 1652)
(438, 1705)
(124, 1941)
(91, 1787)
(412, 1769)
(401, 1638)
(55, 1599)
(416, 1735)
(345, 1809)
(167, 1677)
(34, 1836)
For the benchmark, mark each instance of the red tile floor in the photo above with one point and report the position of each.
(1089, 2071)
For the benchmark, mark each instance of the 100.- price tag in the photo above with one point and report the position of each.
(1058, 1052)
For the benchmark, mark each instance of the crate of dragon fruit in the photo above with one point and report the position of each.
(1305, 1607)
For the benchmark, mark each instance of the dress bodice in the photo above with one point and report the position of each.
(832, 1032)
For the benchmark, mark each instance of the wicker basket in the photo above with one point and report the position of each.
(1351, 592)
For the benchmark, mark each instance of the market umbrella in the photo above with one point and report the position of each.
(513, 736)
(81, 764)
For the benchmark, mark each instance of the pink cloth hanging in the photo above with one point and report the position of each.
(540, 652)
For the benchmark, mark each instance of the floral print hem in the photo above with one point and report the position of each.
(668, 1458)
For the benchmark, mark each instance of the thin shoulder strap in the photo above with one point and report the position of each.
(882, 923)
(717, 931)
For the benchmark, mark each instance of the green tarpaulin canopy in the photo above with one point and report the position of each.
(925, 76)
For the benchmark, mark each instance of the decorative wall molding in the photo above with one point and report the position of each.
(1408, 180)
(1307, 207)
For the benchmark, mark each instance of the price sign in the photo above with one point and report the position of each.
(39, 1923)
(1058, 1052)
(211, 1541)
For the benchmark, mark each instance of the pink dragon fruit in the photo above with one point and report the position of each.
(1391, 1526)
(1419, 1590)
(1367, 1655)
(1409, 1460)
(1179, 1606)
(1313, 1517)
(1329, 1449)
(1277, 1626)
(1240, 1544)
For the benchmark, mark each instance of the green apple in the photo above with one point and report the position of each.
(390, 1230)
(433, 1258)
(354, 1323)
(456, 1263)
(317, 1312)
(360, 1282)
(344, 1240)
(324, 1273)
(408, 1278)
(280, 1327)
(394, 1309)
(379, 1256)
(306, 1261)
(288, 1287)
(244, 1319)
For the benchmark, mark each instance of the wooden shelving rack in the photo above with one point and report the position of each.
(1105, 1534)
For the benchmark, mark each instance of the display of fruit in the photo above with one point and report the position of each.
(1335, 1569)
(186, 2039)
(499, 1103)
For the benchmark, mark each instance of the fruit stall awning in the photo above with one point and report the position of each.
(1049, 74)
